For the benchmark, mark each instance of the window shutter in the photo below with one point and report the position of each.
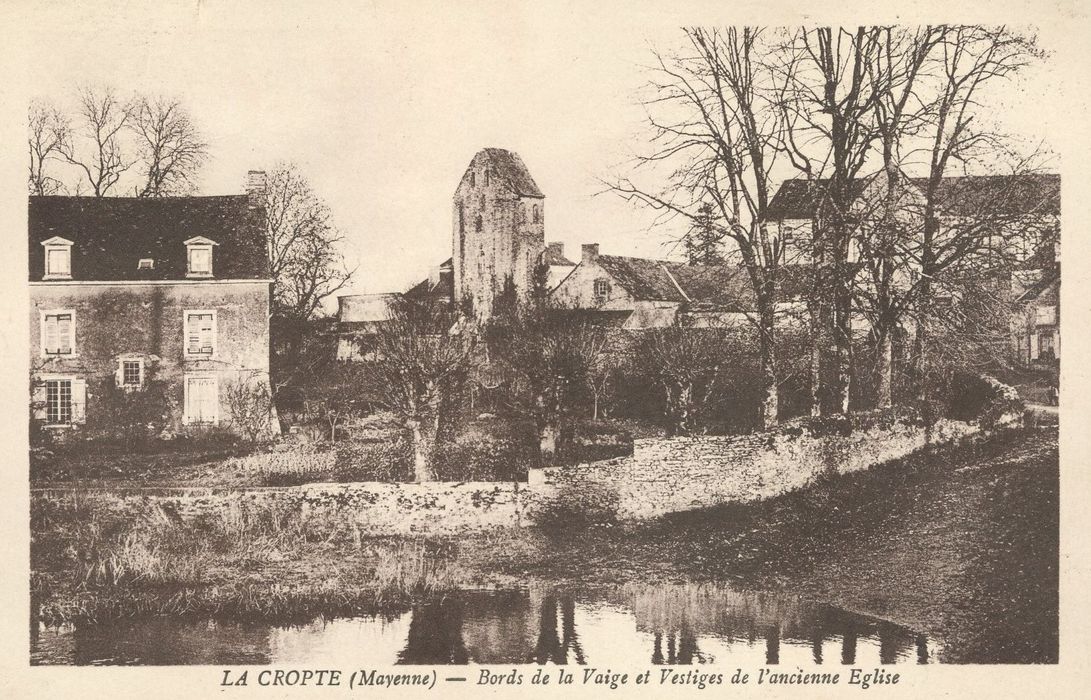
(79, 400)
(50, 333)
(64, 333)
(38, 397)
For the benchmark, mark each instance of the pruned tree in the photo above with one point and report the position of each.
(686, 363)
(303, 244)
(48, 130)
(419, 362)
(551, 356)
(717, 130)
(171, 148)
(95, 143)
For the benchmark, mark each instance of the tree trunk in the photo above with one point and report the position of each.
(547, 442)
(422, 451)
(884, 367)
(816, 363)
(769, 405)
(843, 342)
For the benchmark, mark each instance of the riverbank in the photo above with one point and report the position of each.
(961, 543)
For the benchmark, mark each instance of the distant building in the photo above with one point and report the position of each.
(639, 293)
(125, 291)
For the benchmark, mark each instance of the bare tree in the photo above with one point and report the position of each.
(828, 96)
(95, 144)
(303, 245)
(171, 148)
(419, 362)
(969, 58)
(719, 131)
(48, 130)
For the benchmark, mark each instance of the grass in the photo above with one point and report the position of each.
(89, 564)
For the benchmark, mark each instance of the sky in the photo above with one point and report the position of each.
(382, 108)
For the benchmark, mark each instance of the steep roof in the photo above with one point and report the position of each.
(644, 279)
(110, 235)
(1005, 195)
(510, 167)
(799, 198)
(722, 287)
(998, 194)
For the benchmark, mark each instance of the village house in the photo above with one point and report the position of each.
(130, 294)
(1016, 225)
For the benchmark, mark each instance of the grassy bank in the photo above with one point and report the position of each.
(92, 565)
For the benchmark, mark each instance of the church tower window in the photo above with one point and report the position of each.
(478, 223)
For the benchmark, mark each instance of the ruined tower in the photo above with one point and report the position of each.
(499, 229)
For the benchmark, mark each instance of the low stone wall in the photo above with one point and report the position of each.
(662, 476)
(670, 475)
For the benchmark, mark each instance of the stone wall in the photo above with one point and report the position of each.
(663, 476)
(670, 475)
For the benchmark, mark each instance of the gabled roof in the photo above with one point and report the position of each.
(644, 279)
(1035, 290)
(111, 234)
(510, 167)
(799, 198)
(1004, 195)
(721, 287)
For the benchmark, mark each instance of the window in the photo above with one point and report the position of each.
(148, 264)
(58, 401)
(1046, 350)
(535, 214)
(602, 289)
(478, 223)
(487, 174)
(59, 333)
(1045, 315)
(132, 373)
(58, 258)
(202, 401)
(200, 330)
(199, 257)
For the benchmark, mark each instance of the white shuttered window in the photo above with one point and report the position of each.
(202, 399)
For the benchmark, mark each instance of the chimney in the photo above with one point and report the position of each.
(590, 252)
(555, 250)
(255, 182)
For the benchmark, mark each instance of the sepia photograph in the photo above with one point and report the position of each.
(365, 336)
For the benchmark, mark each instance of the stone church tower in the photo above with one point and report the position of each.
(499, 229)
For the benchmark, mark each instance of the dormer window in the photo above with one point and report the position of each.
(146, 264)
(58, 259)
(199, 257)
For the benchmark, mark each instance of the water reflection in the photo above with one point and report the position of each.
(630, 625)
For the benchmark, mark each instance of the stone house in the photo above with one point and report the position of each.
(1016, 225)
(134, 294)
